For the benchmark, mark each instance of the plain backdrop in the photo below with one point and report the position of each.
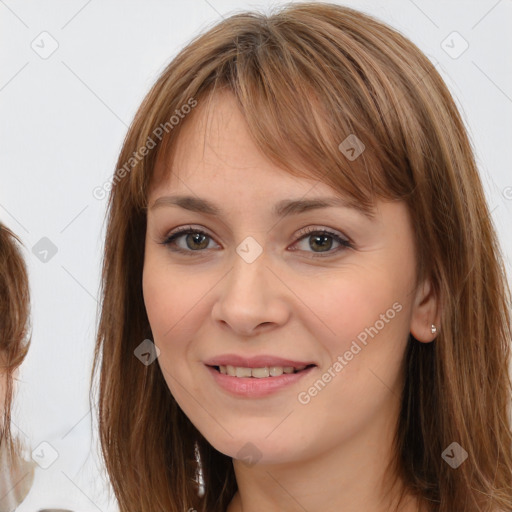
(72, 75)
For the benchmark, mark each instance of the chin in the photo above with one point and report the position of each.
(256, 449)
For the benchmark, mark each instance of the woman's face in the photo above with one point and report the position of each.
(259, 283)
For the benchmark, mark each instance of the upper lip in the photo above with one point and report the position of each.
(260, 361)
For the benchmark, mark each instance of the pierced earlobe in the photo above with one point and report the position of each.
(433, 329)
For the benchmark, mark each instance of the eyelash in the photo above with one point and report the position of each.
(185, 230)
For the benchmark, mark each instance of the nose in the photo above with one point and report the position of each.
(251, 299)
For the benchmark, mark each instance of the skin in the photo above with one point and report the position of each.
(331, 453)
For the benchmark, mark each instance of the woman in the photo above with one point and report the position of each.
(16, 475)
(302, 286)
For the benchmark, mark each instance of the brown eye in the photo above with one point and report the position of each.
(188, 240)
(321, 241)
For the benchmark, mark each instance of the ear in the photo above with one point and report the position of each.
(425, 313)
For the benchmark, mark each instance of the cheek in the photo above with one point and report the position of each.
(177, 305)
(160, 300)
(347, 304)
(169, 295)
(167, 300)
(364, 321)
(365, 326)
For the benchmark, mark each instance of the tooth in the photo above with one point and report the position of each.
(242, 372)
(275, 371)
(261, 372)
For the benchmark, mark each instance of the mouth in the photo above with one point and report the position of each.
(261, 372)
(258, 382)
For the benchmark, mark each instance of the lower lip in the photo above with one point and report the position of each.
(252, 387)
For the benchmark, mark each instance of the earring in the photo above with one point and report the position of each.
(434, 329)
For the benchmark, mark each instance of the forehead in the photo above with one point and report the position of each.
(215, 153)
(215, 146)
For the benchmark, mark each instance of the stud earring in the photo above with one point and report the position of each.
(433, 329)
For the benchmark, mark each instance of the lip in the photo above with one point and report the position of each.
(251, 387)
(255, 361)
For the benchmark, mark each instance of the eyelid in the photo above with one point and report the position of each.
(315, 229)
(302, 232)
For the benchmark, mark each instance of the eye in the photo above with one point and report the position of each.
(192, 241)
(323, 240)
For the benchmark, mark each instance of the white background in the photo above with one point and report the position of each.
(62, 123)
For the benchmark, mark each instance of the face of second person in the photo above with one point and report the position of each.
(306, 297)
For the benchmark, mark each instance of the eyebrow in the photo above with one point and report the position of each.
(280, 209)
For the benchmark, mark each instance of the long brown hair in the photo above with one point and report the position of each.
(306, 77)
(14, 325)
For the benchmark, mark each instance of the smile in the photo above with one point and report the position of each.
(246, 383)
(258, 373)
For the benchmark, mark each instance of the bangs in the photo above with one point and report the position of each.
(310, 107)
